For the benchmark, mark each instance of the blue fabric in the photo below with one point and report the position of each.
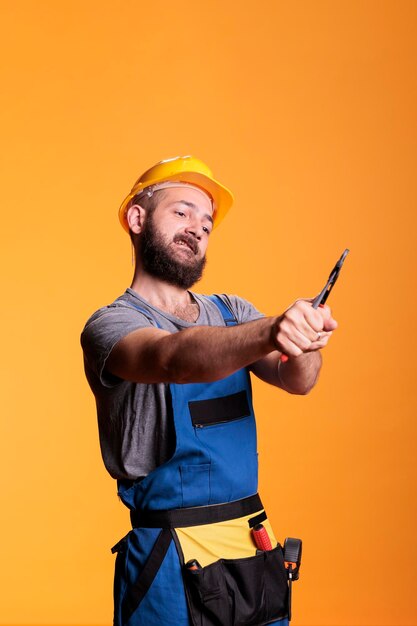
(165, 603)
(210, 465)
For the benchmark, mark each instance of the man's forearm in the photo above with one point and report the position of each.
(299, 375)
(205, 354)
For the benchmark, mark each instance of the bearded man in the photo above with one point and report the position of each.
(170, 371)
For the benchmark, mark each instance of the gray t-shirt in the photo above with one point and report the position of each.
(135, 423)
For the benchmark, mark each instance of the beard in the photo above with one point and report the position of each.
(159, 261)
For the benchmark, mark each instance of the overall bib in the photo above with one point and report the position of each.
(201, 504)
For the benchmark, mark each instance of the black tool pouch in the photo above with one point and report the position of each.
(251, 591)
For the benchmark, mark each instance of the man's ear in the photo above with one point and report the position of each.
(135, 216)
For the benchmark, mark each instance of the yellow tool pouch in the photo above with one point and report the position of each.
(227, 580)
(250, 588)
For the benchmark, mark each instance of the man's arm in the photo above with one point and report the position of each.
(208, 353)
(299, 373)
(199, 354)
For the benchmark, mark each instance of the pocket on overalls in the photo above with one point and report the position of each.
(239, 592)
(195, 484)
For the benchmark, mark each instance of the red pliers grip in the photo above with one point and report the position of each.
(324, 293)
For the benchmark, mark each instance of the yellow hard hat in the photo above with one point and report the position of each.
(186, 169)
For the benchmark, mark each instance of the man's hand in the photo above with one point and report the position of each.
(303, 329)
(299, 333)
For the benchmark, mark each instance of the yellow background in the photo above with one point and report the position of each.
(307, 111)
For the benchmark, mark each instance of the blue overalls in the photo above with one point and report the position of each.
(215, 467)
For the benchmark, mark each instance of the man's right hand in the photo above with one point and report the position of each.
(303, 329)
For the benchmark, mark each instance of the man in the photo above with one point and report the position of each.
(170, 372)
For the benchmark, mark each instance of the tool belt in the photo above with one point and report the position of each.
(197, 515)
(249, 591)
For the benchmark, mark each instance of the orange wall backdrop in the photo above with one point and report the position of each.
(307, 110)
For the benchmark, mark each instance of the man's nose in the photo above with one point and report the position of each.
(194, 229)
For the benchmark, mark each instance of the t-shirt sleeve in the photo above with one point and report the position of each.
(102, 332)
(243, 310)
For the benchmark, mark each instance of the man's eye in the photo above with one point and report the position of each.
(180, 213)
(206, 230)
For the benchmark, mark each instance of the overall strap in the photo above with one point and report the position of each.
(227, 314)
(139, 588)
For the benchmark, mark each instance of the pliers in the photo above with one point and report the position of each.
(324, 293)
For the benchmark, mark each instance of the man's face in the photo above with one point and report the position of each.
(175, 236)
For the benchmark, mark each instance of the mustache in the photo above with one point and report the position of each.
(189, 240)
